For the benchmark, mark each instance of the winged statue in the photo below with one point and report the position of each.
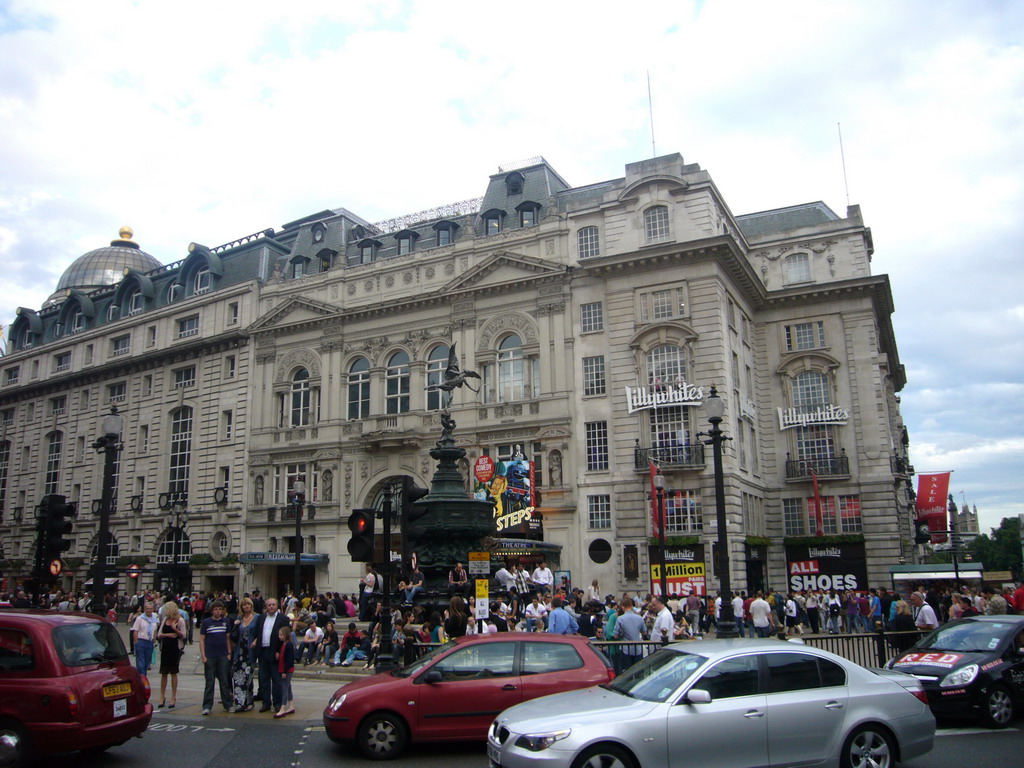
(454, 377)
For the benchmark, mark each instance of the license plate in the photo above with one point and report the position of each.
(119, 689)
(494, 754)
(120, 707)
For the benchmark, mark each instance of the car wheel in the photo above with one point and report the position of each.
(868, 747)
(999, 709)
(604, 756)
(382, 736)
(15, 747)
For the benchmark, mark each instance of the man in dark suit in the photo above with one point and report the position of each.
(267, 644)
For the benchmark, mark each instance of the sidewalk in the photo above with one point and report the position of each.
(311, 689)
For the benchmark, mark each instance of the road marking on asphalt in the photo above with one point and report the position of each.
(971, 731)
(178, 728)
(316, 729)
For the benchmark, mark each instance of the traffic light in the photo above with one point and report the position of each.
(412, 512)
(360, 546)
(56, 525)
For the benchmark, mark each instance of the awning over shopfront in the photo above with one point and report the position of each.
(511, 547)
(932, 571)
(109, 582)
(282, 558)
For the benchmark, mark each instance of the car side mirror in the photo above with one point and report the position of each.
(696, 696)
(432, 676)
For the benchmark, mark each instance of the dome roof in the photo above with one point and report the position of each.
(105, 266)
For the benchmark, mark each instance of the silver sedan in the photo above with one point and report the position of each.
(723, 703)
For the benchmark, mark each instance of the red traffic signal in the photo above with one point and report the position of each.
(360, 546)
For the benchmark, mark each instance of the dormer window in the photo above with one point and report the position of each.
(514, 183)
(527, 213)
(298, 267)
(318, 232)
(174, 292)
(445, 232)
(112, 312)
(406, 242)
(77, 322)
(493, 220)
(368, 251)
(203, 281)
(135, 303)
(326, 260)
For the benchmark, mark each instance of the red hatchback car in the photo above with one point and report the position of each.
(66, 684)
(455, 691)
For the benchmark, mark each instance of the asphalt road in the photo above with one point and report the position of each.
(182, 737)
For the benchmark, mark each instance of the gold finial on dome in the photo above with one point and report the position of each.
(126, 233)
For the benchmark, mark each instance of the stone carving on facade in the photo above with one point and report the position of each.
(407, 278)
(464, 263)
(449, 269)
(297, 358)
(534, 408)
(424, 465)
(389, 281)
(350, 289)
(466, 474)
(429, 272)
(364, 469)
(257, 491)
(555, 468)
(352, 428)
(463, 323)
(549, 247)
(368, 286)
(514, 409)
(334, 291)
(482, 414)
(348, 483)
(556, 308)
(509, 321)
(327, 485)
(267, 356)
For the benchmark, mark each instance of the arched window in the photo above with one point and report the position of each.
(814, 442)
(398, 380)
(512, 384)
(134, 302)
(798, 268)
(77, 322)
(174, 291)
(587, 242)
(437, 361)
(299, 266)
(669, 426)
(300, 398)
(359, 389)
(656, 226)
(5, 462)
(180, 451)
(113, 551)
(175, 548)
(493, 221)
(54, 450)
(203, 281)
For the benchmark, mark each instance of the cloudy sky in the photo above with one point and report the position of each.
(202, 121)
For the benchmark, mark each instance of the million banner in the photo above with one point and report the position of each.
(685, 572)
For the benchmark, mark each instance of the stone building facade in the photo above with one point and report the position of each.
(598, 318)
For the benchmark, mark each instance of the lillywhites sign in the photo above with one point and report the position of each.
(831, 414)
(641, 398)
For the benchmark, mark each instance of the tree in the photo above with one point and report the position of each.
(1002, 550)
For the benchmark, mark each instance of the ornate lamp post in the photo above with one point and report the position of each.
(176, 521)
(659, 489)
(298, 500)
(715, 407)
(109, 444)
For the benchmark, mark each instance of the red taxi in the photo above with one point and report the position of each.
(66, 684)
(455, 691)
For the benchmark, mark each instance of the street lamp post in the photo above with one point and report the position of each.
(177, 521)
(659, 489)
(109, 444)
(715, 407)
(298, 500)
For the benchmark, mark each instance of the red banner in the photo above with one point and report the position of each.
(932, 492)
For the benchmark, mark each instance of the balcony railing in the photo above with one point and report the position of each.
(673, 456)
(801, 469)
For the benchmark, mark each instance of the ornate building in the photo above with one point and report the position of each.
(598, 318)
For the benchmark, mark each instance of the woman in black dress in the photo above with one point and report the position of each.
(171, 635)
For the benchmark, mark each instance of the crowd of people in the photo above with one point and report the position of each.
(249, 646)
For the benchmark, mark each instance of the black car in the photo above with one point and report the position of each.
(971, 667)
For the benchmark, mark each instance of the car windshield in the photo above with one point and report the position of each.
(90, 643)
(424, 660)
(658, 676)
(968, 636)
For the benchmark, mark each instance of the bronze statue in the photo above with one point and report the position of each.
(454, 377)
